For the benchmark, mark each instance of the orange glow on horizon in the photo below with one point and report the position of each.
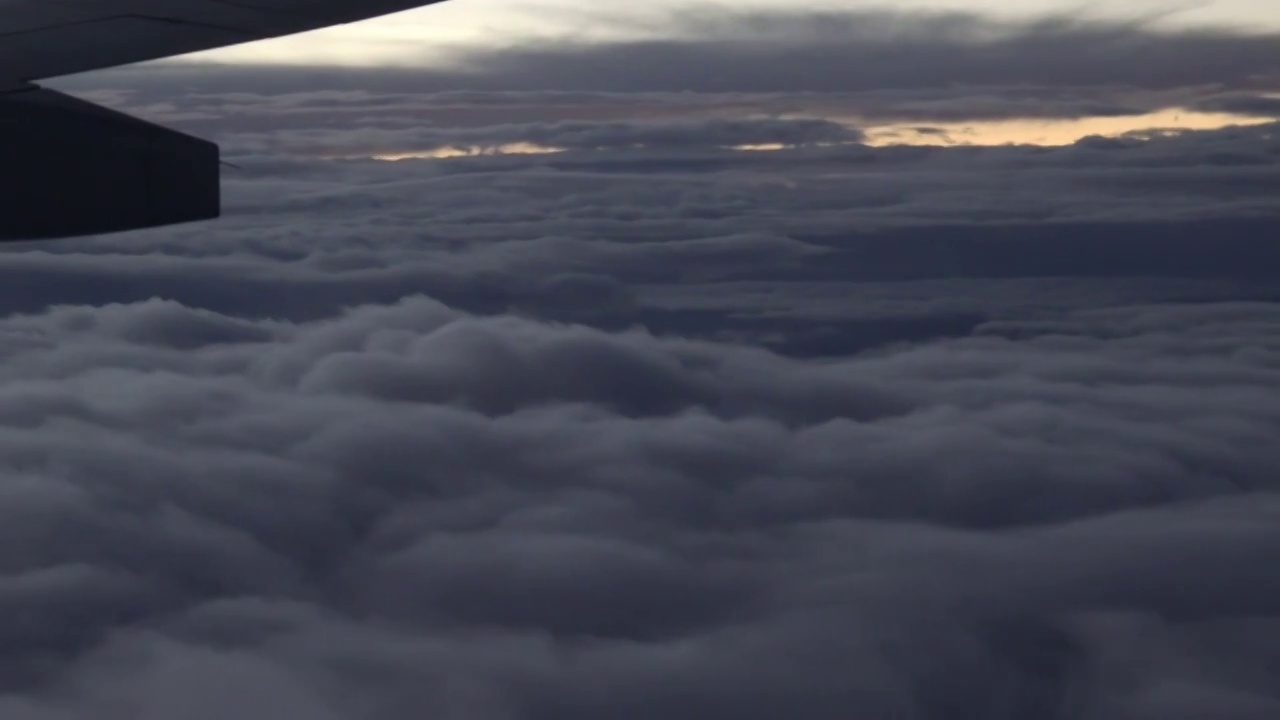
(1050, 132)
(517, 148)
(526, 148)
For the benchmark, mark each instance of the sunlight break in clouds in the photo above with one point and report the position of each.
(1051, 132)
(517, 148)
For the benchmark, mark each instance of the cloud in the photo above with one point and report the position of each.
(801, 51)
(526, 539)
(729, 50)
(892, 66)
(667, 431)
(670, 134)
(1244, 104)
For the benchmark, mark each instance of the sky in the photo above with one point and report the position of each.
(652, 378)
(463, 36)
(430, 31)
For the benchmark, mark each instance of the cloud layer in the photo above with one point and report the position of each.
(649, 427)
(875, 65)
(407, 509)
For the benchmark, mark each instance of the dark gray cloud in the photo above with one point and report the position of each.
(335, 515)
(871, 50)
(670, 431)
(1263, 105)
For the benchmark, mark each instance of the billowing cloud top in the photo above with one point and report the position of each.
(592, 412)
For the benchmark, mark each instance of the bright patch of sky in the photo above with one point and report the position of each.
(431, 31)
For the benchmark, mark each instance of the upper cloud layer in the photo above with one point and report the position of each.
(898, 66)
(835, 51)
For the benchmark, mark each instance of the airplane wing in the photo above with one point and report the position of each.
(71, 168)
(47, 38)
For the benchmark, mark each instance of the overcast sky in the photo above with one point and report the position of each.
(408, 36)
(784, 363)
(1059, 71)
